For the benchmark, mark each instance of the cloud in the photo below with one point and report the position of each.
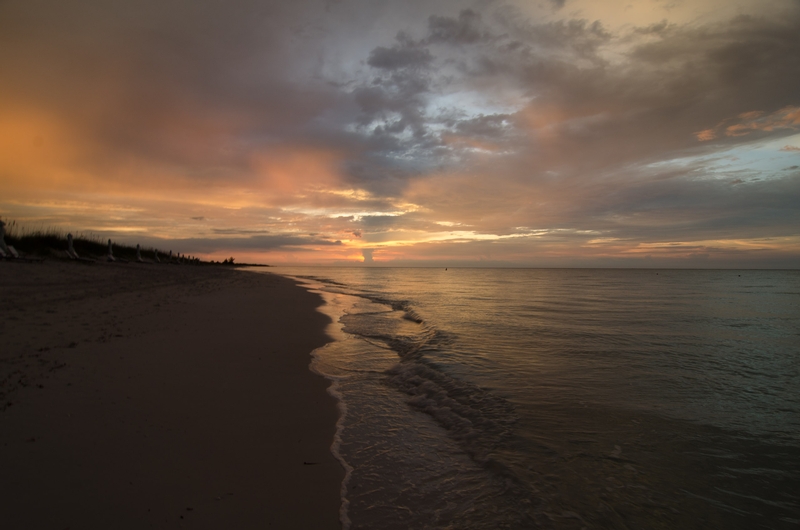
(785, 119)
(399, 57)
(162, 91)
(253, 242)
(706, 135)
(573, 98)
(491, 126)
(237, 231)
(390, 124)
(462, 30)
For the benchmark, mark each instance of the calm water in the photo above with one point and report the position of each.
(499, 398)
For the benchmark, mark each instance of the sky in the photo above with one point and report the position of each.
(535, 133)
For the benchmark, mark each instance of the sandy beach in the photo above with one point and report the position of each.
(139, 396)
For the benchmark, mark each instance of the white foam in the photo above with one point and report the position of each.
(334, 308)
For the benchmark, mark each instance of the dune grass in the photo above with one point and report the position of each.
(52, 242)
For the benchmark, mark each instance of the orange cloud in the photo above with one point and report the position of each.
(543, 117)
(785, 118)
(548, 120)
(740, 129)
(706, 135)
(753, 114)
(36, 149)
(45, 155)
(752, 121)
(48, 160)
(297, 169)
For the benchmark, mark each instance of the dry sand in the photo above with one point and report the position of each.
(139, 396)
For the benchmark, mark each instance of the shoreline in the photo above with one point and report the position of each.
(151, 395)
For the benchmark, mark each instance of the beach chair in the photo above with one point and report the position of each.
(9, 252)
(13, 255)
(74, 255)
(5, 252)
(70, 249)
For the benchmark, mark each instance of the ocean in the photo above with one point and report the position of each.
(564, 398)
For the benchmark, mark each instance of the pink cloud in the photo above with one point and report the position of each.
(739, 129)
(752, 121)
(706, 135)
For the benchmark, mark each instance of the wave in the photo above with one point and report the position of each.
(479, 421)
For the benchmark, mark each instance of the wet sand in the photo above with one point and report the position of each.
(139, 396)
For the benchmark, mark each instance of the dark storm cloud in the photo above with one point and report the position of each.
(466, 29)
(743, 60)
(576, 36)
(392, 103)
(399, 57)
(536, 65)
(651, 104)
(681, 209)
(586, 118)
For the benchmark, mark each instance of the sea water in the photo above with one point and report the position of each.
(564, 398)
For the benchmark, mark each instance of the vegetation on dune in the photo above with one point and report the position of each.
(52, 243)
